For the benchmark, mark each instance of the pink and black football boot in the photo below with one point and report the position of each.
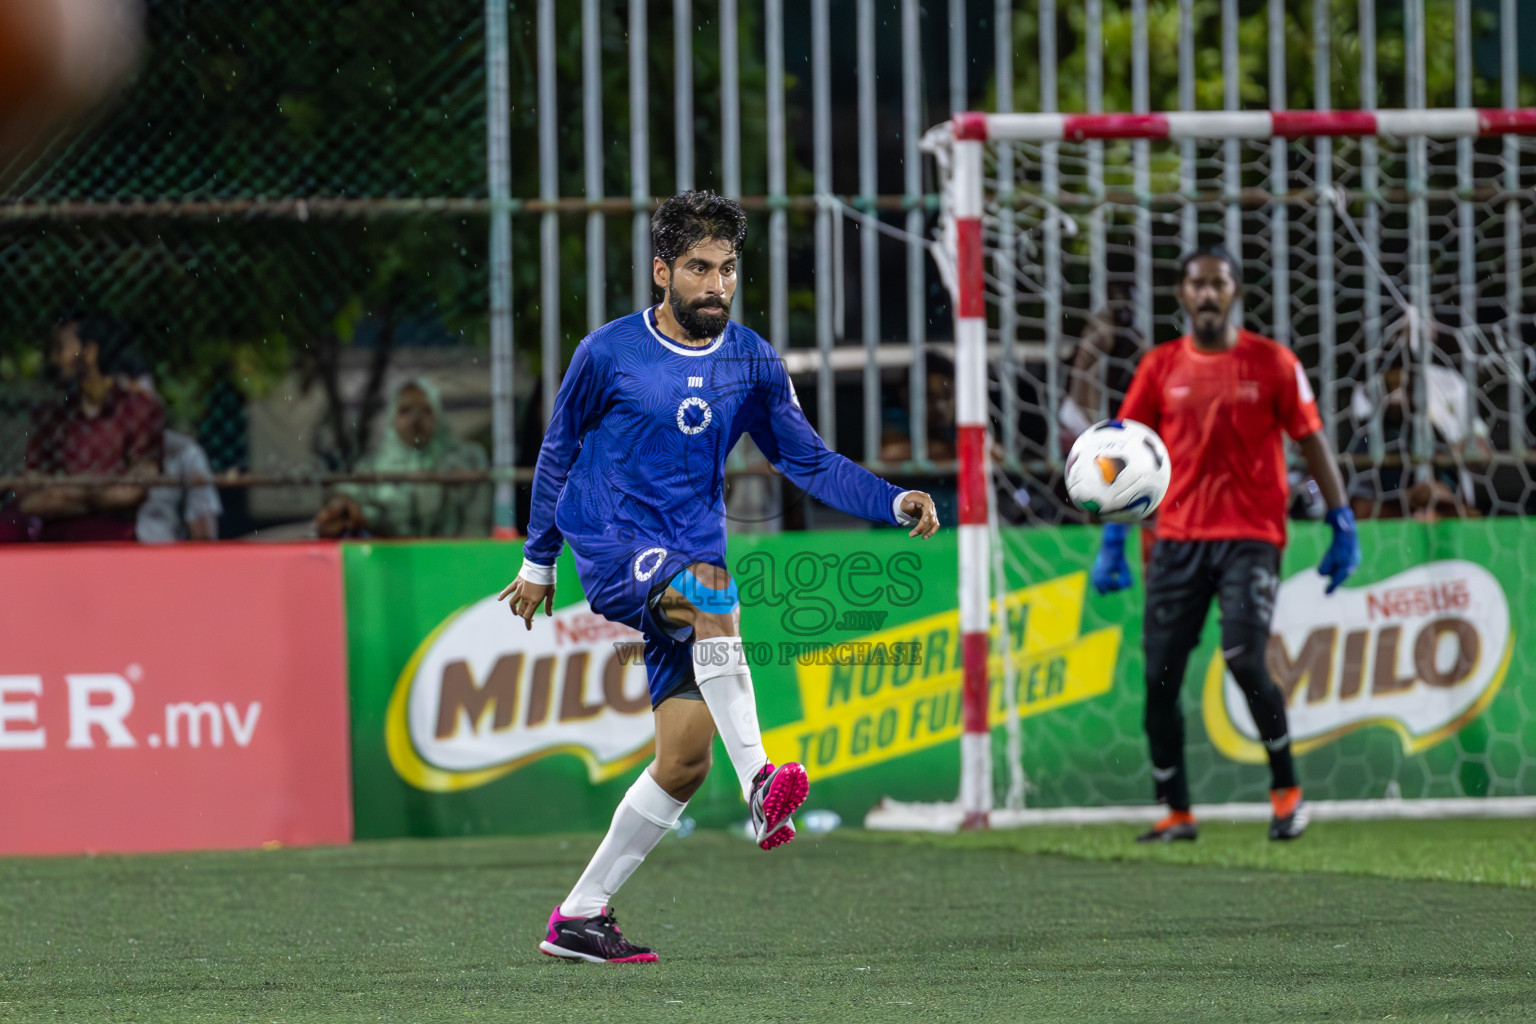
(776, 794)
(596, 940)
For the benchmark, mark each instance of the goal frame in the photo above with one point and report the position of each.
(965, 136)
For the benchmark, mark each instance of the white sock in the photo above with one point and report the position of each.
(720, 670)
(644, 816)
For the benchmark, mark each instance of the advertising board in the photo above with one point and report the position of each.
(1409, 682)
(172, 698)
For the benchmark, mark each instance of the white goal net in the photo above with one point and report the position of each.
(1387, 249)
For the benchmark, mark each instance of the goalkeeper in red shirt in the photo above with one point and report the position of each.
(1223, 399)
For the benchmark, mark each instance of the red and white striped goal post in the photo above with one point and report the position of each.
(967, 136)
(1242, 124)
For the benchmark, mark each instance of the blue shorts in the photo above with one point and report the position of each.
(623, 579)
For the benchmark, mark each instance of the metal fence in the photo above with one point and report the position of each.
(1398, 280)
(293, 215)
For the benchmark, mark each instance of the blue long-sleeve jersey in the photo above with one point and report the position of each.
(640, 434)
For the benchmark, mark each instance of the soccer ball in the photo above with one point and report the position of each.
(1118, 470)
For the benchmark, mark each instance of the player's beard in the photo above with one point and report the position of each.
(1209, 332)
(696, 325)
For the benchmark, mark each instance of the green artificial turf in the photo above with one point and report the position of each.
(850, 927)
(1498, 851)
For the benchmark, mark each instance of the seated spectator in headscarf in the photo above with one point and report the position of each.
(191, 509)
(417, 440)
(92, 427)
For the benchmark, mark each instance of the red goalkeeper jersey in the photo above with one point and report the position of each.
(1222, 416)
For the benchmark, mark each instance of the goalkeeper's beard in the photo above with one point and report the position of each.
(696, 325)
(1210, 333)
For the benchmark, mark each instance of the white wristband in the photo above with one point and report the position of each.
(533, 572)
(902, 519)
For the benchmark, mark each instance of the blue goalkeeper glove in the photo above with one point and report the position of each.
(1343, 556)
(1111, 572)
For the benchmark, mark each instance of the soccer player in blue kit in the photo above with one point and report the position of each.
(632, 475)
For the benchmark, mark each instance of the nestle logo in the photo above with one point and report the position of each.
(588, 628)
(1419, 601)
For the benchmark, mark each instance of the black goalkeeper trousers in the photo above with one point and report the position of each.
(1244, 576)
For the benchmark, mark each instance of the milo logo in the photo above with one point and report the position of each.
(1422, 654)
(483, 696)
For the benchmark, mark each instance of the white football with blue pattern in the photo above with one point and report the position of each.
(1118, 470)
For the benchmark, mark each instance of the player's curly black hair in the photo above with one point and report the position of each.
(688, 218)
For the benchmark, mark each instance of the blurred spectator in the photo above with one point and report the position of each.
(896, 432)
(939, 412)
(417, 440)
(1383, 492)
(92, 426)
(191, 509)
(1100, 365)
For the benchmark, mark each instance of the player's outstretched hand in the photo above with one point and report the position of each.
(1111, 572)
(920, 504)
(526, 597)
(1343, 556)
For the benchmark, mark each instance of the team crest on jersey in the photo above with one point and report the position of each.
(648, 561)
(693, 415)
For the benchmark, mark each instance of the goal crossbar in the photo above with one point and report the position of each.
(1238, 124)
